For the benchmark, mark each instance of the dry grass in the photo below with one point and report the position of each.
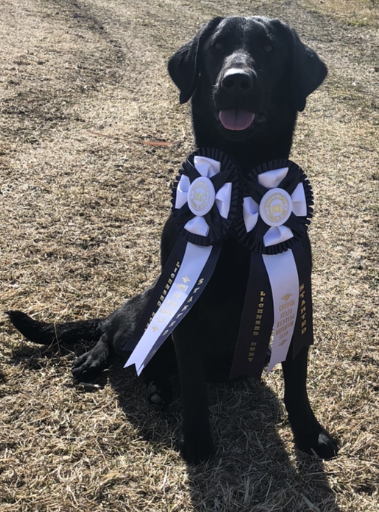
(82, 84)
(357, 13)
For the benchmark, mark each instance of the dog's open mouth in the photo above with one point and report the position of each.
(236, 119)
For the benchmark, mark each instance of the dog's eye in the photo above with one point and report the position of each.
(218, 46)
(268, 48)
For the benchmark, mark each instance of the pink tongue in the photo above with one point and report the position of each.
(236, 119)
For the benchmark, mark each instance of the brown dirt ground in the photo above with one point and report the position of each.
(83, 198)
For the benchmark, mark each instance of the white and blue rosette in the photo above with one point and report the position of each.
(268, 211)
(206, 200)
(277, 208)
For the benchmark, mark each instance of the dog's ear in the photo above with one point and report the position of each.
(308, 72)
(183, 66)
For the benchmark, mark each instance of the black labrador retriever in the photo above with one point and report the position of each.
(248, 78)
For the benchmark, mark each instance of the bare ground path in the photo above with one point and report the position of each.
(83, 196)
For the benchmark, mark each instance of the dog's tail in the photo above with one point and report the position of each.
(46, 333)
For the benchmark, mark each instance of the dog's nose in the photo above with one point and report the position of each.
(237, 81)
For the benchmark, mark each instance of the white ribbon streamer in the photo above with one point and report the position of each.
(281, 268)
(194, 260)
(284, 281)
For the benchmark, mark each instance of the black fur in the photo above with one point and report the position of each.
(46, 333)
(273, 73)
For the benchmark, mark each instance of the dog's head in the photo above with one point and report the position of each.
(252, 68)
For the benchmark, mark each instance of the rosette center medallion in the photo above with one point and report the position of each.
(201, 196)
(275, 207)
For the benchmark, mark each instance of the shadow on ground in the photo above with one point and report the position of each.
(252, 470)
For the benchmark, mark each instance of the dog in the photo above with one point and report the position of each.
(247, 79)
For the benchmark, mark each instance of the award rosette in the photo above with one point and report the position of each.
(277, 208)
(206, 198)
(268, 211)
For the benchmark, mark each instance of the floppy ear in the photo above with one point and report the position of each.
(183, 66)
(308, 72)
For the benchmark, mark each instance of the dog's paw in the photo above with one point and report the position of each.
(159, 395)
(327, 447)
(319, 443)
(196, 448)
(88, 366)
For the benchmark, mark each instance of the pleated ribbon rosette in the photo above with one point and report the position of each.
(277, 208)
(206, 200)
(269, 212)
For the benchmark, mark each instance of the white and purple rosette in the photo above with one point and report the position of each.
(206, 200)
(277, 207)
(276, 212)
(206, 197)
(269, 211)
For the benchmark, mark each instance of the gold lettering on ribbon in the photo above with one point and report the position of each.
(257, 326)
(178, 295)
(287, 305)
(166, 311)
(287, 319)
(303, 309)
(181, 287)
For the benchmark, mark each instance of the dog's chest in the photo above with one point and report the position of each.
(230, 276)
(219, 308)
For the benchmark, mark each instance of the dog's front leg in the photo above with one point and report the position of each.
(196, 444)
(89, 365)
(310, 436)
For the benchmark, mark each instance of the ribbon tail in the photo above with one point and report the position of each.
(256, 323)
(284, 280)
(303, 333)
(161, 288)
(196, 292)
(173, 303)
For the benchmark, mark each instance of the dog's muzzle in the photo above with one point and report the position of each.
(235, 91)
